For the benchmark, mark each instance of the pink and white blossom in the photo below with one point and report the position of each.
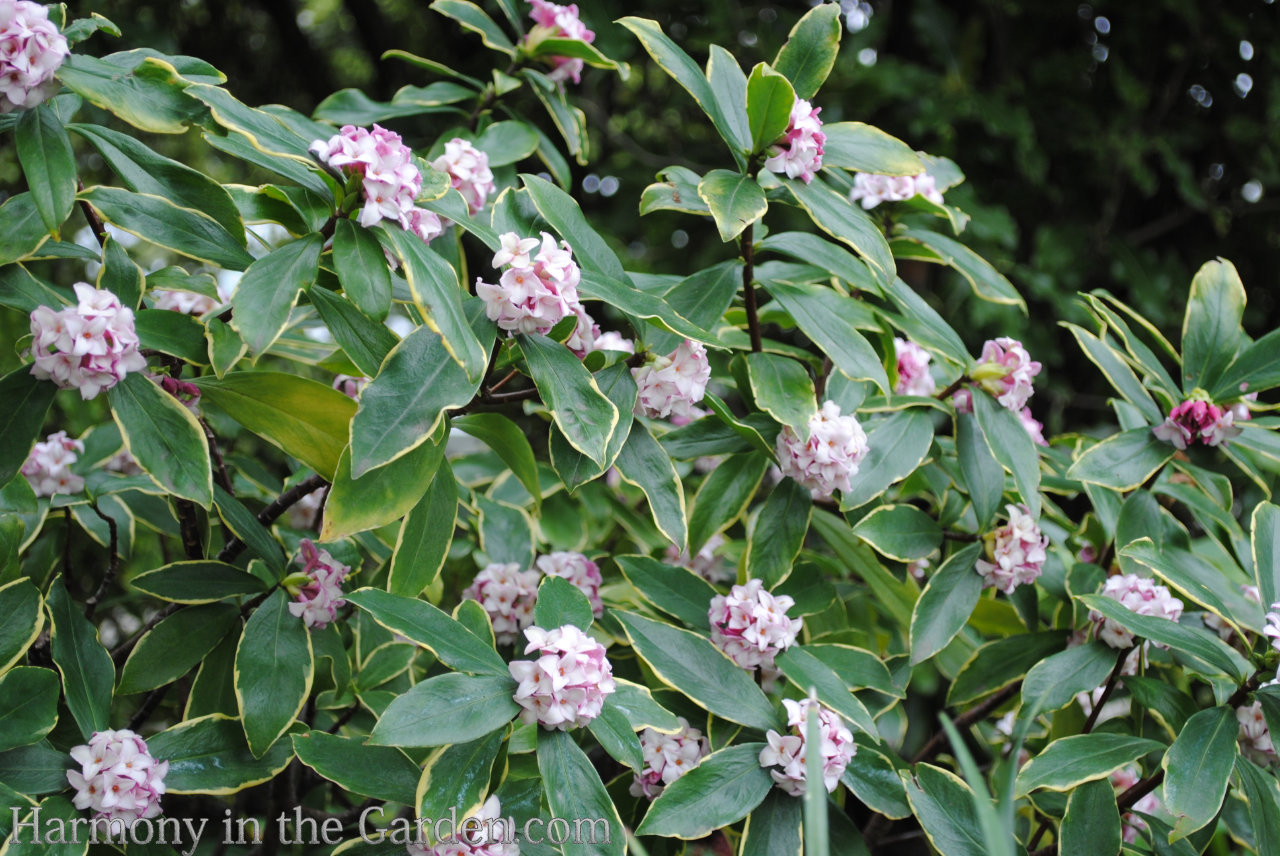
(1254, 736)
(495, 835)
(468, 171)
(48, 465)
(750, 625)
(507, 594)
(186, 302)
(31, 52)
(705, 563)
(1015, 552)
(787, 754)
(869, 189)
(913, 369)
(90, 346)
(535, 292)
(1196, 419)
(1005, 370)
(1272, 628)
(1035, 430)
(317, 590)
(611, 340)
(118, 779)
(577, 569)
(670, 386)
(828, 460)
(350, 385)
(566, 685)
(1136, 594)
(553, 21)
(667, 757)
(799, 153)
(582, 340)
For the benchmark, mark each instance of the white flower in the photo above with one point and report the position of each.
(750, 625)
(869, 189)
(565, 687)
(508, 595)
(1132, 825)
(533, 294)
(1015, 552)
(705, 563)
(799, 153)
(494, 838)
(1005, 370)
(787, 754)
(670, 386)
(317, 600)
(829, 458)
(468, 170)
(186, 302)
(48, 465)
(31, 52)
(1254, 736)
(118, 779)
(913, 369)
(1136, 594)
(89, 347)
(667, 757)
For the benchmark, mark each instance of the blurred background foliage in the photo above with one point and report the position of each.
(1117, 145)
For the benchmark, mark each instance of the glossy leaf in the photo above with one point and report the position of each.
(24, 232)
(506, 439)
(1011, 445)
(473, 18)
(431, 628)
(810, 51)
(830, 319)
(676, 591)
(946, 603)
(729, 90)
(273, 672)
(1211, 331)
(1055, 681)
(1092, 821)
(44, 151)
(983, 475)
(944, 805)
(164, 438)
(88, 674)
(779, 531)
(574, 790)
(723, 788)
(364, 340)
(1122, 461)
(736, 201)
(812, 675)
(1265, 540)
(209, 755)
(1197, 768)
(724, 496)
(1199, 643)
(834, 214)
(901, 532)
(642, 462)
(362, 269)
(866, 148)
(269, 290)
(457, 777)
(176, 645)
(585, 416)
(157, 219)
(425, 535)
(449, 708)
(27, 401)
(783, 389)
(31, 711)
(380, 495)
(377, 772)
(560, 602)
(22, 606)
(987, 282)
(770, 98)
(1071, 761)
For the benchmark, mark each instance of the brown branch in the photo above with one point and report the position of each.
(1107, 690)
(122, 650)
(951, 390)
(95, 222)
(974, 714)
(272, 512)
(113, 564)
(189, 527)
(149, 705)
(220, 467)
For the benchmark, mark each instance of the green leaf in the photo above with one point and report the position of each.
(1054, 682)
(901, 532)
(560, 602)
(473, 18)
(1122, 461)
(438, 296)
(1001, 662)
(1255, 368)
(225, 346)
(1264, 805)
(576, 469)
(44, 151)
(811, 674)
(164, 437)
(858, 668)
(1211, 331)
(31, 710)
(773, 828)
(431, 628)
(577, 49)
(645, 464)
(1113, 366)
(1071, 761)
(506, 439)
(1012, 447)
(26, 401)
(873, 777)
(380, 495)
(810, 51)
(425, 535)
(724, 496)
(87, 672)
(269, 290)
(174, 333)
(585, 416)
(691, 664)
(1199, 643)
(829, 319)
(162, 222)
(562, 214)
(892, 595)
(150, 95)
(449, 708)
(574, 790)
(457, 777)
(245, 526)
(945, 807)
(783, 389)
(35, 769)
(723, 788)
(304, 418)
(612, 730)
(983, 475)
(213, 690)
(362, 269)
(169, 650)
(1197, 768)
(52, 817)
(1092, 821)
(729, 90)
(209, 755)
(945, 604)
(866, 148)
(775, 540)
(641, 304)
(834, 214)
(676, 190)
(735, 200)
(377, 772)
(570, 121)
(923, 325)
(364, 340)
(406, 403)
(21, 605)
(121, 276)
(24, 231)
(987, 282)
(678, 592)
(896, 446)
(1198, 581)
(637, 705)
(1264, 527)
(273, 672)
(506, 532)
(770, 98)
(509, 142)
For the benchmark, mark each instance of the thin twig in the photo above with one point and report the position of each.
(122, 650)
(974, 714)
(149, 705)
(1107, 689)
(951, 390)
(189, 527)
(277, 507)
(749, 287)
(113, 564)
(95, 222)
(220, 467)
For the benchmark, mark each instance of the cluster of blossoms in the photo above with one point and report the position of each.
(1215, 622)
(390, 180)
(1006, 370)
(349, 385)
(302, 514)
(667, 757)
(90, 346)
(870, 189)
(577, 569)
(611, 340)
(1272, 628)
(468, 171)
(188, 394)
(186, 302)
(1136, 594)
(1131, 824)
(789, 752)
(1254, 736)
(508, 595)
(913, 369)
(799, 153)
(317, 590)
(48, 466)
(1015, 552)
(535, 291)
(493, 838)
(122, 462)
(565, 687)
(670, 386)
(829, 458)
(750, 625)
(705, 563)
(31, 52)
(552, 21)
(1197, 419)
(117, 778)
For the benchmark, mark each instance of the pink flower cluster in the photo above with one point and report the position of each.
(705, 563)
(1136, 594)
(1196, 419)
(318, 597)
(508, 594)
(789, 752)
(1215, 622)
(799, 153)
(870, 190)
(611, 340)
(750, 625)
(565, 687)
(1254, 736)
(350, 385)
(468, 170)
(667, 757)
(90, 346)
(577, 569)
(913, 369)
(390, 180)
(48, 466)
(186, 302)
(117, 778)
(1272, 628)
(1015, 552)
(1035, 430)
(535, 291)
(1132, 825)
(552, 21)
(31, 52)
(1005, 370)
(829, 458)
(495, 836)
(671, 385)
